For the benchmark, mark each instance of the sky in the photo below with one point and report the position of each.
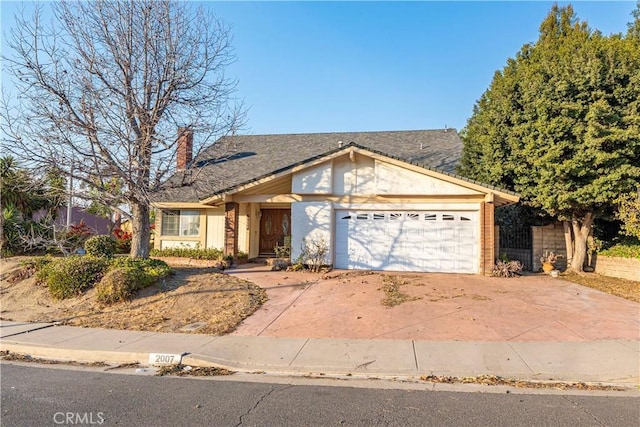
(371, 66)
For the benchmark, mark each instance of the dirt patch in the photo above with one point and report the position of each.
(189, 371)
(627, 289)
(7, 355)
(191, 295)
(497, 380)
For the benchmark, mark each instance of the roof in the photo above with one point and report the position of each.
(237, 160)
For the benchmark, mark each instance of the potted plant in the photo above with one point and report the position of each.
(242, 257)
(548, 261)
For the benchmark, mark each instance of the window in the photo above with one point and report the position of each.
(180, 223)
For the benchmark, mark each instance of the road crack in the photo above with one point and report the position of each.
(585, 410)
(262, 398)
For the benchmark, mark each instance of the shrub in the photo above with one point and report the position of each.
(69, 241)
(209, 254)
(507, 268)
(37, 263)
(123, 240)
(154, 269)
(120, 284)
(626, 249)
(313, 253)
(100, 246)
(70, 276)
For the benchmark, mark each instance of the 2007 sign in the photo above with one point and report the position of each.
(164, 359)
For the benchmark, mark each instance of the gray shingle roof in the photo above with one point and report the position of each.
(236, 160)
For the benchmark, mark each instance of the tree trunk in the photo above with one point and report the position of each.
(568, 240)
(581, 230)
(140, 241)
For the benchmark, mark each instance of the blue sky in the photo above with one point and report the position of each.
(365, 66)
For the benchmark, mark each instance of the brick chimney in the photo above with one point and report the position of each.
(185, 148)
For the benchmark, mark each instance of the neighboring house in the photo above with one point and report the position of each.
(96, 224)
(379, 200)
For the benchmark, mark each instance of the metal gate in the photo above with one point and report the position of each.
(517, 244)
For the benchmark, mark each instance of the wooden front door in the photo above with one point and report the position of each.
(275, 224)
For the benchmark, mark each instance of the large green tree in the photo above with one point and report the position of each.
(560, 124)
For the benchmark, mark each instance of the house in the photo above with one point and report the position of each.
(95, 224)
(377, 200)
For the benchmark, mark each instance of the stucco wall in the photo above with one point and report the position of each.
(314, 180)
(624, 268)
(312, 221)
(391, 179)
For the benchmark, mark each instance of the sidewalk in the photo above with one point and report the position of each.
(610, 361)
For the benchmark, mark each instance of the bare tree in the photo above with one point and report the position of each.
(104, 87)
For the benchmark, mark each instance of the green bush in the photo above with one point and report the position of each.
(37, 263)
(154, 269)
(626, 249)
(70, 276)
(209, 254)
(100, 246)
(120, 284)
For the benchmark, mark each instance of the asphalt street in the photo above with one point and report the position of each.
(36, 395)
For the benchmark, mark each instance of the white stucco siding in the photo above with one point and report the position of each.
(354, 176)
(392, 179)
(343, 176)
(215, 228)
(314, 180)
(312, 221)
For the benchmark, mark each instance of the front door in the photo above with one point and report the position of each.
(275, 224)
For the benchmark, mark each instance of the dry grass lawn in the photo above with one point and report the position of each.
(627, 289)
(191, 295)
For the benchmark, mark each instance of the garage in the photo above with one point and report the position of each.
(427, 241)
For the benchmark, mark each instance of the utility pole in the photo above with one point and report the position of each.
(70, 202)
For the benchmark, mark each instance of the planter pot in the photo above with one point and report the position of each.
(547, 267)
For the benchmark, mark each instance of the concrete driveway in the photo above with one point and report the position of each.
(447, 307)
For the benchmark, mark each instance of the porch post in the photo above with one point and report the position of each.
(231, 220)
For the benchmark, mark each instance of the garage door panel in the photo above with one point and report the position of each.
(407, 241)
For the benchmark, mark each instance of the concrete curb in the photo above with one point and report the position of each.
(610, 362)
(75, 355)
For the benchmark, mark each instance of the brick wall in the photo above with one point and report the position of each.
(624, 268)
(231, 220)
(487, 237)
(549, 238)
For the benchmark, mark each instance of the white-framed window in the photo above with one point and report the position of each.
(185, 223)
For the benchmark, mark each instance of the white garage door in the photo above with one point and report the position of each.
(429, 241)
